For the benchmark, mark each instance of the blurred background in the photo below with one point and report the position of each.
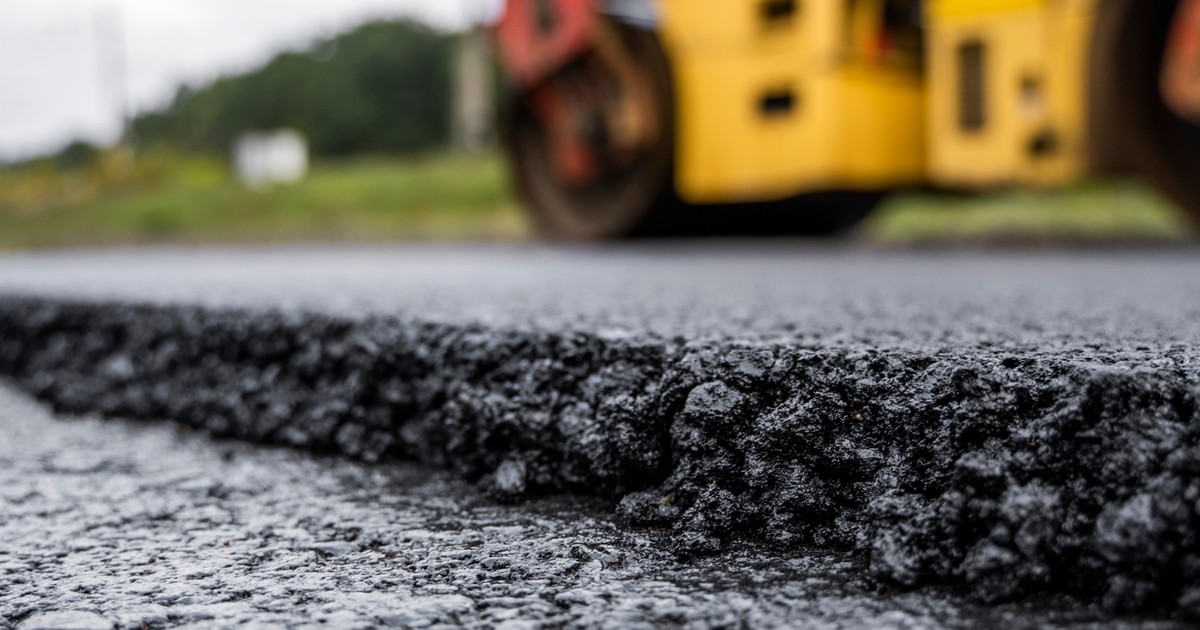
(144, 122)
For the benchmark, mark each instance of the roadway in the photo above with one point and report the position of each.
(774, 433)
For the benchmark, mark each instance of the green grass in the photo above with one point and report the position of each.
(1106, 211)
(171, 199)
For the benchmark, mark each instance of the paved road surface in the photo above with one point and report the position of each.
(805, 294)
(783, 432)
(134, 525)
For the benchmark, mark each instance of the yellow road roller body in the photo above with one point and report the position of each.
(779, 104)
(992, 93)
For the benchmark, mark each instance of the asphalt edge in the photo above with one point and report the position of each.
(1003, 474)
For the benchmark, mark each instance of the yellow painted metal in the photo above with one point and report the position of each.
(1035, 87)
(951, 9)
(777, 98)
(852, 123)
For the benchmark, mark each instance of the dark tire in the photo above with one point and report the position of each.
(1131, 40)
(629, 202)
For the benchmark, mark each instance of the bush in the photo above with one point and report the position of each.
(382, 88)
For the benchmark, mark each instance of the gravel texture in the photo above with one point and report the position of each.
(132, 525)
(1005, 426)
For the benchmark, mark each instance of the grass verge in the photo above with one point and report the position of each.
(170, 199)
(1102, 211)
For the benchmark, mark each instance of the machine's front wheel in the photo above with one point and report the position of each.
(1131, 48)
(628, 195)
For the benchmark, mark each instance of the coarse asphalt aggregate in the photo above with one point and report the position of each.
(973, 428)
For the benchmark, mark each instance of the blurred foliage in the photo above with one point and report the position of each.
(1098, 211)
(382, 88)
(163, 197)
(76, 155)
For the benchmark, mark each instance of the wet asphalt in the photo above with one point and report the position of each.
(797, 293)
(665, 389)
(131, 525)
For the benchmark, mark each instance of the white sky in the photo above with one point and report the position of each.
(52, 85)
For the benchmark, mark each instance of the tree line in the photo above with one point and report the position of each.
(385, 87)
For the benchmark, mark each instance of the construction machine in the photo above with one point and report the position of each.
(645, 117)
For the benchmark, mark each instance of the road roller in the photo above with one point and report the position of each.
(670, 117)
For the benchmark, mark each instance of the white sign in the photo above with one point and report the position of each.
(265, 159)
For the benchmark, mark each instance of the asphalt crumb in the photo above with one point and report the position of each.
(1001, 473)
(124, 524)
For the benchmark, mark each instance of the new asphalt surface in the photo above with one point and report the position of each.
(120, 524)
(731, 434)
(804, 294)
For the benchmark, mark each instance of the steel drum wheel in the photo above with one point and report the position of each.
(626, 201)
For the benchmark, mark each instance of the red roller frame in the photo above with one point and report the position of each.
(536, 38)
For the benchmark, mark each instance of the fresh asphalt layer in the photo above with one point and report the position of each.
(805, 294)
(133, 525)
(927, 436)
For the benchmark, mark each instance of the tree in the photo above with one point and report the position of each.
(382, 88)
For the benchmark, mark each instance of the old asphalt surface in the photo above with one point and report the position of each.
(712, 435)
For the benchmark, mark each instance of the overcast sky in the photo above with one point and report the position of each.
(54, 85)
